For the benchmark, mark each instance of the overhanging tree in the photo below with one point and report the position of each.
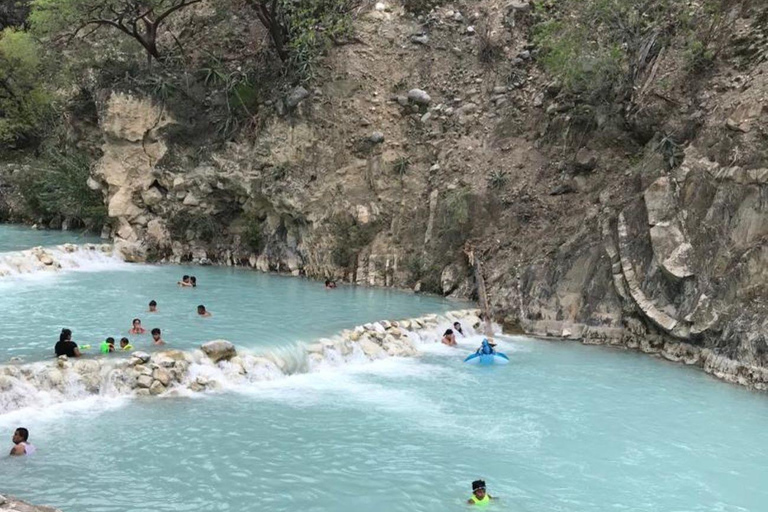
(141, 20)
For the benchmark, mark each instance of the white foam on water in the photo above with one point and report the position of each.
(51, 411)
(30, 264)
(293, 374)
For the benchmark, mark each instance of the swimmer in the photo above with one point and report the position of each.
(152, 306)
(156, 339)
(107, 346)
(184, 281)
(330, 284)
(193, 281)
(125, 345)
(457, 328)
(449, 338)
(21, 446)
(479, 496)
(65, 345)
(202, 312)
(137, 328)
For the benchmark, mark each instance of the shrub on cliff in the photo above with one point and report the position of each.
(302, 31)
(56, 187)
(25, 104)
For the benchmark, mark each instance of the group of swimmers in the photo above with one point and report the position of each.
(449, 338)
(66, 347)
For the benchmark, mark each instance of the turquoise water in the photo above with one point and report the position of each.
(248, 308)
(17, 238)
(563, 428)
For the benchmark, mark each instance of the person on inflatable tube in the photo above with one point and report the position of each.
(486, 347)
(479, 496)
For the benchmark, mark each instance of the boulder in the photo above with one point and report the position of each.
(144, 381)
(376, 138)
(218, 350)
(152, 197)
(371, 349)
(191, 200)
(296, 96)
(139, 358)
(156, 388)
(419, 97)
(162, 375)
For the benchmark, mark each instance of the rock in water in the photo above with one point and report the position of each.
(219, 350)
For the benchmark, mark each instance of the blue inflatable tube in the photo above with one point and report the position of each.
(487, 359)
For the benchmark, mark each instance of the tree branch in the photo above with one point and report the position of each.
(184, 3)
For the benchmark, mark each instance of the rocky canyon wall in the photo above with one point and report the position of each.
(410, 147)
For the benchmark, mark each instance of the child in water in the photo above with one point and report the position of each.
(449, 338)
(152, 306)
(479, 496)
(107, 345)
(156, 338)
(125, 345)
(136, 327)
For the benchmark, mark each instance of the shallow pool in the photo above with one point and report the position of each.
(562, 428)
(17, 237)
(249, 308)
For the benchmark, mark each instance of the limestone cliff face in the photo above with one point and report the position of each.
(125, 173)
(409, 147)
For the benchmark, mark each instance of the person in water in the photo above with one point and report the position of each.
(486, 347)
(193, 281)
(125, 345)
(479, 496)
(156, 337)
(457, 328)
(330, 284)
(152, 306)
(21, 444)
(136, 327)
(65, 345)
(107, 346)
(449, 338)
(201, 311)
(184, 281)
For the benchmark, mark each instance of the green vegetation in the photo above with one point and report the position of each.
(301, 32)
(143, 21)
(252, 237)
(56, 187)
(497, 179)
(599, 49)
(194, 226)
(349, 237)
(401, 165)
(25, 104)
